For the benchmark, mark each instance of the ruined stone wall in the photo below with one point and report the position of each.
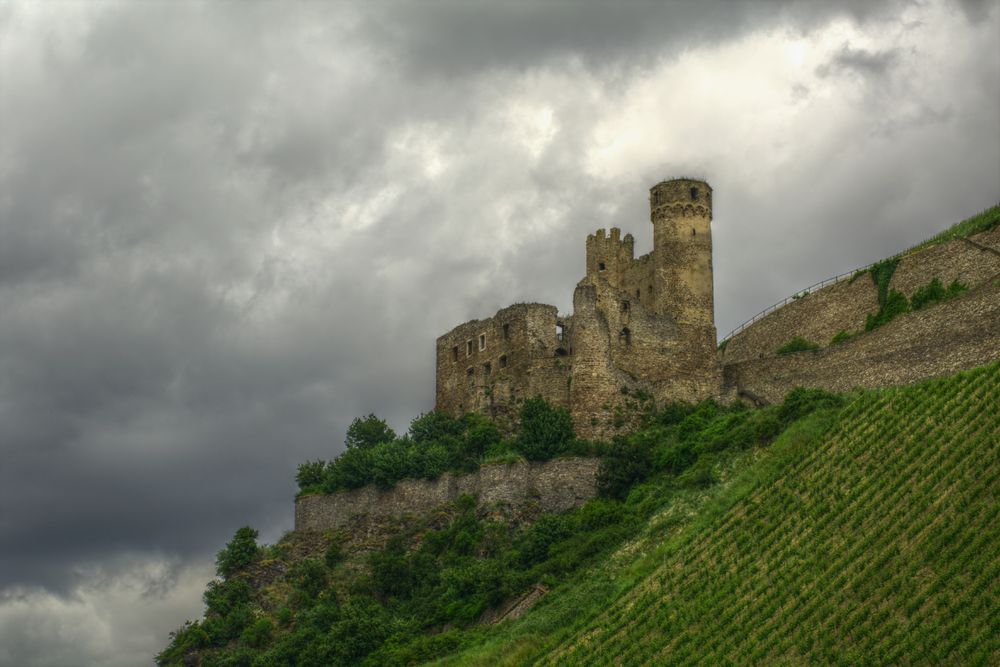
(845, 305)
(554, 486)
(490, 365)
(939, 340)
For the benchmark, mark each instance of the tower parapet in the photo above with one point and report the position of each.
(609, 255)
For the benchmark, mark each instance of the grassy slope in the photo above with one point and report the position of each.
(878, 542)
(980, 222)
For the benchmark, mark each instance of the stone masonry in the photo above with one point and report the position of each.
(554, 486)
(641, 324)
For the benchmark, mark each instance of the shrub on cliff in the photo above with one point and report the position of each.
(800, 402)
(935, 292)
(895, 305)
(797, 344)
(238, 554)
(545, 431)
(628, 461)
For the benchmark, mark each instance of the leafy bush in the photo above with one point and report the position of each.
(308, 577)
(881, 273)
(259, 633)
(238, 554)
(311, 474)
(895, 304)
(627, 462)
(367, 432)
(545, 431)
(935, 292)
(797, 344)
(842, 336)
(800, 402)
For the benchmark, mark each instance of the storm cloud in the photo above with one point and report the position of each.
(227, 229)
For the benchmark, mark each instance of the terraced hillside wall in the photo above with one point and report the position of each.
(554, 486)
(936, 341)
(819, 316)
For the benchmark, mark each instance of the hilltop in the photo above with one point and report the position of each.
(853, 527)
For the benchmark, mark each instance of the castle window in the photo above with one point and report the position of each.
(506, 332)
(454, 353)
(482, 341)
(470, 374)
(694, 193)
(561, 352)
(600, 266)
(560, 331)
(625, 306)
(637, 292)
(468, 348)
(487, 369)
(626, 336)
(503, 361)
(692, 231)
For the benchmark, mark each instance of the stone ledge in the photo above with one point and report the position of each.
(555, 486)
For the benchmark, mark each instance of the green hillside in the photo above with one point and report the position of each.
(878, 543)
(855, 529)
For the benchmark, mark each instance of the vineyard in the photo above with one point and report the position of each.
(875, 542)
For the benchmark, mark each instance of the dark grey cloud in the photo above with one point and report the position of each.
(860, 61)
(453, 38)
(226, 229)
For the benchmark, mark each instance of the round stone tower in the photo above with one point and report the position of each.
(681, 212)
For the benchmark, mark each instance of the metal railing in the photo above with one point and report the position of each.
(795, 297)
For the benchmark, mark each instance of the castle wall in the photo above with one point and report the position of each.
(638, 324)
(554, 486)
(845, 305)
(491, 365)
(938, 340)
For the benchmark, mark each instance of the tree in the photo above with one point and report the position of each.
(238, 554)
(366, 432)
(545, 431)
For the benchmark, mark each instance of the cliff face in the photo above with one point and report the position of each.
(554, 486)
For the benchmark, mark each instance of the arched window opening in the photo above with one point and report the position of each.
(503, 361)
(626, 336)
(561, 352)
(560, 331)
(694, 193)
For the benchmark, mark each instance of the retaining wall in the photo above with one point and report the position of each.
(554, 486)
(939, 340)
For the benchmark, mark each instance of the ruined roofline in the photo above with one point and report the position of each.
(520, 305)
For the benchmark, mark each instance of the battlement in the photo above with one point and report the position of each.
(609, 255)
(680, 197)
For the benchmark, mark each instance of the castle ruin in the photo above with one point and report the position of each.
(640, 326)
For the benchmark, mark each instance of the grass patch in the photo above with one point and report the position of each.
(797, 344)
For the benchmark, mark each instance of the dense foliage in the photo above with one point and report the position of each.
(875, 544)
(935, 292)
(437, 443)
(449, 569)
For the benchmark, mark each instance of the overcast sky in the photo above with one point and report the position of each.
(227, 229)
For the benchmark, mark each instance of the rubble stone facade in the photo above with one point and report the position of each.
(639, 326)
